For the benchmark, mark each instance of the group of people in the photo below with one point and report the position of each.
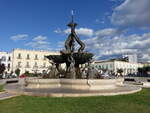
(6, 75)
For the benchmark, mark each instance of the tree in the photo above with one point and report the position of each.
(140, 70)
(120, 71)
(17, 71)
(2, 68)
(144, 70)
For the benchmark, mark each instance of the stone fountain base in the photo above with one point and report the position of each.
(71, 87)
(73, 84)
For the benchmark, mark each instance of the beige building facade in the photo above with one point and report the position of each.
(114, 65)
(6, 59)
(30, 60)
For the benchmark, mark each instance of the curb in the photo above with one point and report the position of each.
(72, 95)
(8, 97)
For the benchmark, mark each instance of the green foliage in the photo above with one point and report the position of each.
(119, 71)
(27, 73)
(132, 103)
(17, 71)
(31, 74)
(144, 69)
(2, 68)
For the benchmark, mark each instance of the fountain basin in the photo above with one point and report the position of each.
(73, 84)
(80, 58)
(71, 87)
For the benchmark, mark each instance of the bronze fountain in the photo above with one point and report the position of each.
(70, 56)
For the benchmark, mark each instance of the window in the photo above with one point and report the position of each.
(9, 58)
(19, 64)
(27, 65)
(35, 64)
(19, 56)
(44, 58)
(28, 57)
(99, 66)
(36, 57)
(3, 58)
(8, 67)
(103, 67)
(111, 66)
(106, 66)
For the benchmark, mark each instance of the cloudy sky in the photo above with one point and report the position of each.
(109, 28)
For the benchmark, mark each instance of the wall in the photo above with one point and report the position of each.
(28, 62)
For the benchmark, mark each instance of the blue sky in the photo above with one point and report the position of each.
(108, 27)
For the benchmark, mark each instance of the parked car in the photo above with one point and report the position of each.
(22, 76)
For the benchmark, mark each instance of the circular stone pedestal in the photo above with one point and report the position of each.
(71, 87)
(73, 84)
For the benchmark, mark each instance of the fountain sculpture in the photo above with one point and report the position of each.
(72, 58)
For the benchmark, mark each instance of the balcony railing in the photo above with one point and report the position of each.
(35, 58)
(35, 66)
(18, 66)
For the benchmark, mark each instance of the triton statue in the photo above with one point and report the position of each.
(73, 59)
(69, 44)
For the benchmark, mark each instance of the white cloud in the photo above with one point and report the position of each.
(108, 32)
(81, 31)
(132, 13)
(40, 38)
(97, 21)
(85, 32)
(112, 42)
(19, 37)
(58, 30)
(118, 45)
(39, 42)
(61, 44)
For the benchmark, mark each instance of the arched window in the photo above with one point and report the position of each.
(19, 56)
(28, 57)
(3, 58)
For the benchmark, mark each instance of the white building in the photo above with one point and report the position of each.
(30, 60)
(146, 63)
(6, 59)
(131, 58)
(114, 65)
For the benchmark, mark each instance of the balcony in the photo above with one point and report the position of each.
(18, 66)
(28, 58)
(35, 58)
(35, 66)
